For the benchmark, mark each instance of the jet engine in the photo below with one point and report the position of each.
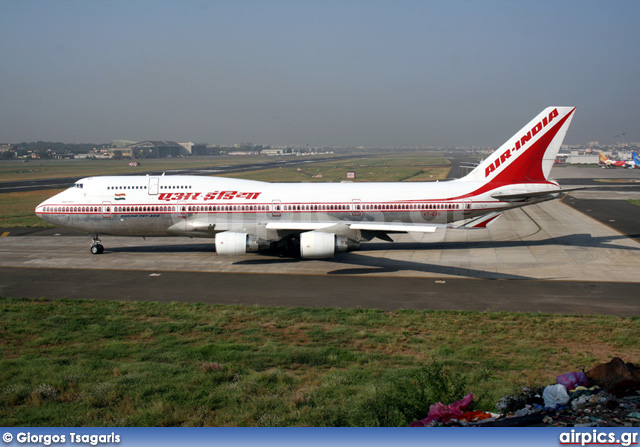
(231, 243)
(317, 245)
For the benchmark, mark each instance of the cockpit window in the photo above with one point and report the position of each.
(78, 185)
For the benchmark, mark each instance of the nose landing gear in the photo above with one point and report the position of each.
(96, 246)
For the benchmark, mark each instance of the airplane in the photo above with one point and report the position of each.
(314, 220)
(635, 160)
(606, 162)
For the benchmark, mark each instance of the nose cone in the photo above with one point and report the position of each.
(45, 211)
(40, 209)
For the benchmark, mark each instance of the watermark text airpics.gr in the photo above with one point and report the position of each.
(72, 438)
(600, 438)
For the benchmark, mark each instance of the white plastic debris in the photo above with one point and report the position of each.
(554, 395)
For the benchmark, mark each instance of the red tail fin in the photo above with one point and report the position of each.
(528, 156)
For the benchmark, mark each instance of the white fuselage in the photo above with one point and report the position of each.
(204, 206)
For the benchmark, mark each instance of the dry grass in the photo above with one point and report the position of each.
(17, 208)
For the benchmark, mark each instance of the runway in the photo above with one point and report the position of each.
(318, 291)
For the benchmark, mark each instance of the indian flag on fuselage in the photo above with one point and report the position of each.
(121, 196)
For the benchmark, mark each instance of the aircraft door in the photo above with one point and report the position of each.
(106, 209)
(153, 186)
(276, 206)
(356, 207)
(182, 209)
(465, 212)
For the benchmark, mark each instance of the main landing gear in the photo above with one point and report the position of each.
(96, 246)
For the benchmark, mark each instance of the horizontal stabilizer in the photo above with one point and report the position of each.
(551, 193)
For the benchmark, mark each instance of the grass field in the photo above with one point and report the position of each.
(392, 168)
(16, 170)
(17, 209)
(634, 202)
(96, 363)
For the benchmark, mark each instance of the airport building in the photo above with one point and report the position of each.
(157, 149)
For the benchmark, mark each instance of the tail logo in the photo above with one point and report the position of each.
(520, 143)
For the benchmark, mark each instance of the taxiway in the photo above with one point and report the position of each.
(550, 257)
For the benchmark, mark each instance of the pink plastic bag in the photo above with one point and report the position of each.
(572, 380)
(444, 413)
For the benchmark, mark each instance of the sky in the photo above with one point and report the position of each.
(336, 73)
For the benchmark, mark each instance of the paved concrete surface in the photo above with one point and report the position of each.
(618, 214)
(550, 241)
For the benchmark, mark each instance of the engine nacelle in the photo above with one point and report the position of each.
(318, 245)
(230, 243)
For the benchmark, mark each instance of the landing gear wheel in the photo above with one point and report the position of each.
(96, 246)
(97, 249)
